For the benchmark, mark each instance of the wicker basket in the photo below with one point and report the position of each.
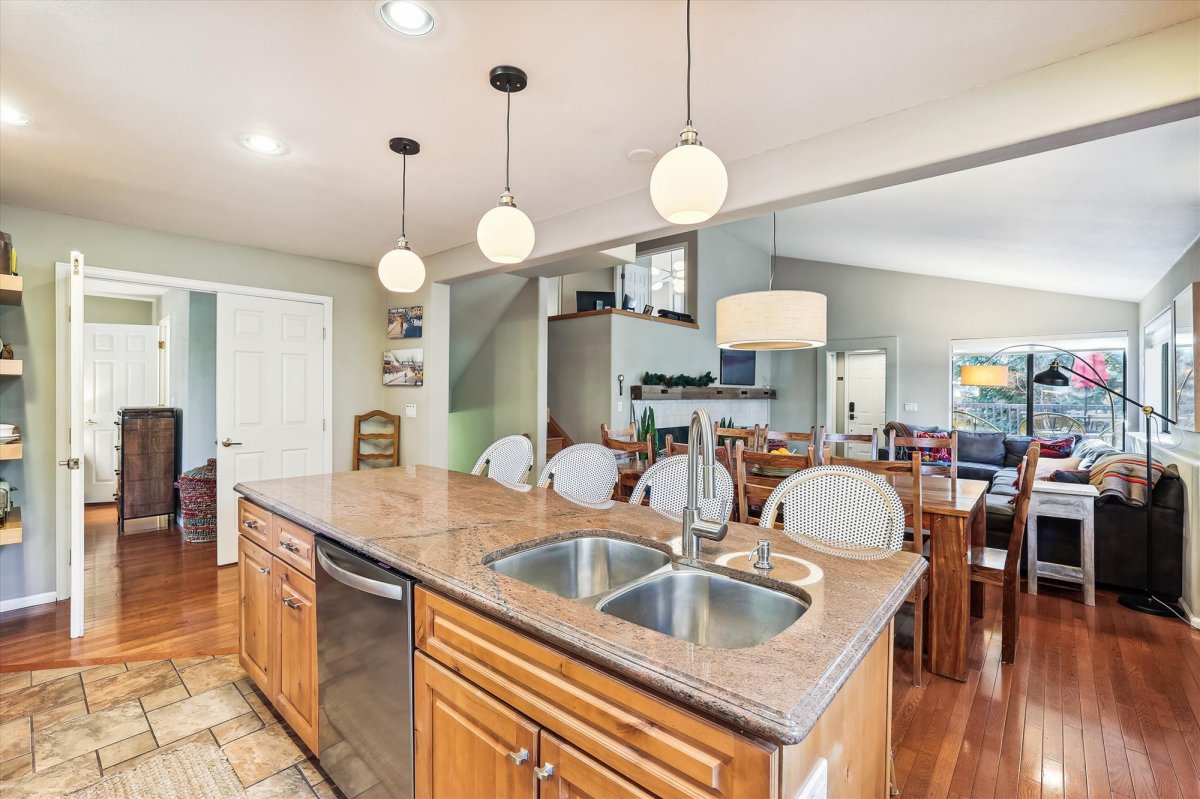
(198, 503)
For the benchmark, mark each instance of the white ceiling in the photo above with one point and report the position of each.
(138, 107)
(1105, 219)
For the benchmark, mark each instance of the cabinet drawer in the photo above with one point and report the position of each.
(254, 523)
(667, 750)
(292, 544)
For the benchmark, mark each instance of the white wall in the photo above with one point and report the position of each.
(925, 314)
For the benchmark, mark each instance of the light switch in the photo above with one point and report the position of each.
(620, 405)
(410, 411)
(910, 406)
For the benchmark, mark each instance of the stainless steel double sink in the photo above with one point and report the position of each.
(642, 585)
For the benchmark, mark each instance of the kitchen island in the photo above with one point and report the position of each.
(633, 711)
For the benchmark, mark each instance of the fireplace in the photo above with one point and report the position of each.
(678, 434)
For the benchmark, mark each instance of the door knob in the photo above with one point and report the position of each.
(229, 442)
(90, 422)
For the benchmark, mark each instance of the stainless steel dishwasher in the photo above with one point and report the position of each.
(364, 673)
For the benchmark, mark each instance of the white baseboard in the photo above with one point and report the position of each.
(1192, 617)
(28, 601)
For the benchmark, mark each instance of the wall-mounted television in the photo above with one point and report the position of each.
(737, 367)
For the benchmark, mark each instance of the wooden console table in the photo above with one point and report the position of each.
(1064, 501)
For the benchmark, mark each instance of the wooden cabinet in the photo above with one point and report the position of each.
(149, 463)
(277, 624)
(467, 743)
(256, 611)
(570, 774)
(294, 684)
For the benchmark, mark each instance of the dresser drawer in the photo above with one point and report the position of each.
(292, 544)
(667, 750)
(254, 523)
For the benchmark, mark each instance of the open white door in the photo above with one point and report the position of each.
(271, 397)
(75, 438)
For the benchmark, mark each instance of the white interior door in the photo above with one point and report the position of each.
(120, 370)
(270, 398)
(866, 397)
(75, 437)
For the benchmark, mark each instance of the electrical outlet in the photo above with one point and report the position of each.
(620, 405)
(410, 411)
(910, 406)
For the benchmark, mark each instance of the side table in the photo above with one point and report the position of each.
(1064, 501)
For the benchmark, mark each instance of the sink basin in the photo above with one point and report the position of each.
(706, 609)
(582, 567)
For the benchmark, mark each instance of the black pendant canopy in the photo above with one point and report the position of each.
(403, 146)
(508, 79)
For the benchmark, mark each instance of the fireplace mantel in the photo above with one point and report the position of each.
(697, 393)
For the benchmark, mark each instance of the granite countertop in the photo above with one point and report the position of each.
(439, 525)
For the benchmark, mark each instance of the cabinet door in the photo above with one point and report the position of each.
(570, 774)
(294, 690)
(467, 743)
(255, 613)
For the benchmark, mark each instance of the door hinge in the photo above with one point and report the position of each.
(162, 345)
(323, 334)
(322, 425)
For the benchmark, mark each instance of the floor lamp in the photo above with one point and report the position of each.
(1147, 602)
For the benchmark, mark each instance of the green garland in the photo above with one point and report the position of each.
(678, 381)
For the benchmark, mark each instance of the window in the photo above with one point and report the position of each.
(1081, 408)
(659, 279)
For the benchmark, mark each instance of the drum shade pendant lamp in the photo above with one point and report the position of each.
(505, 234)
(771, 320)
(689, 183)
(400, 269)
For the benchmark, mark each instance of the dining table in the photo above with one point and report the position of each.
(954, 511)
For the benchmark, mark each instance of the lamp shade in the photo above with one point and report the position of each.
(984, 375)
(1052, 377)
(688, 185)
(505, 234)
(771, 320)
(401, 270)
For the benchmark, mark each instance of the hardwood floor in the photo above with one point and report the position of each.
(1102, 702)
(149, 596)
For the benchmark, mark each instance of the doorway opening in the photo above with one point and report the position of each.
(861, 397)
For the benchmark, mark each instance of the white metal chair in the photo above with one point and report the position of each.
(583, 472)
(839, 510)
(507, 460)
(666, 481)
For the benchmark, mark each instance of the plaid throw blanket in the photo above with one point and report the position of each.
(1123, 477)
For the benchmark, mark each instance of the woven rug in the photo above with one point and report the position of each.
(195, 771)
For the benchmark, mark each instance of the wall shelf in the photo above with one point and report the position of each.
(697, 393)
(10, 532)
(11, 368)
(12, 451)
(619, 312)
(11, 287)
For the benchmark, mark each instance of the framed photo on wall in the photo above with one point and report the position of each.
(404, 367)
(405, 322)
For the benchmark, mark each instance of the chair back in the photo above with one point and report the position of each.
(872, 441)
(507, 460)
(384, 442)
(625, 442)
(839, 510)
(666, 482)
(585, 472)
(912, 468)
(1012, 560)
(753, 437)
(753, 486)
(923, 444)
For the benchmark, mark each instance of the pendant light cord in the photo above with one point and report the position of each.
(507, 136)
(403, 196)
(689, 63)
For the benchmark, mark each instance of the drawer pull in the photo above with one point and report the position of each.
(290, 546)
(519, 757)
(264, 570)
(250, 524)
(290, 600)
(545, 772)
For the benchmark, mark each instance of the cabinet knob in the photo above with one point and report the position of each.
(292, 602)
(264, 570)
(519, 757)
(545, 772)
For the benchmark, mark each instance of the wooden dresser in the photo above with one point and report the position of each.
(148, 458)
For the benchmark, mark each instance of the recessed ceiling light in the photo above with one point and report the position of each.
(407, 17)
(642, 155)
(12, 116)
(264, 145)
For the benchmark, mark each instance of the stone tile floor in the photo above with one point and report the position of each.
(63, 729)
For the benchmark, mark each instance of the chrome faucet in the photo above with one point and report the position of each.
(702, 458)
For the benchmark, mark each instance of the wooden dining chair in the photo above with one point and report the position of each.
(386, 432)
(828, 440)
(923, 444)
(634, 458)
(754, 485)
(752, 437)
(1002, 567)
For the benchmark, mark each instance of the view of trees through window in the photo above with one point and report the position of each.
(1081, 408)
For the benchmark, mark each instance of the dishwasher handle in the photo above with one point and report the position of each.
(376, 587)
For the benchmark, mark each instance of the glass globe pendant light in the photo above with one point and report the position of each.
(689, 183)
(505, 234)
(401, 269)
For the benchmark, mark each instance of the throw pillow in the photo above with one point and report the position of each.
(1056, 448)
(939, 455)
(1077, 476)
(1047, 468)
